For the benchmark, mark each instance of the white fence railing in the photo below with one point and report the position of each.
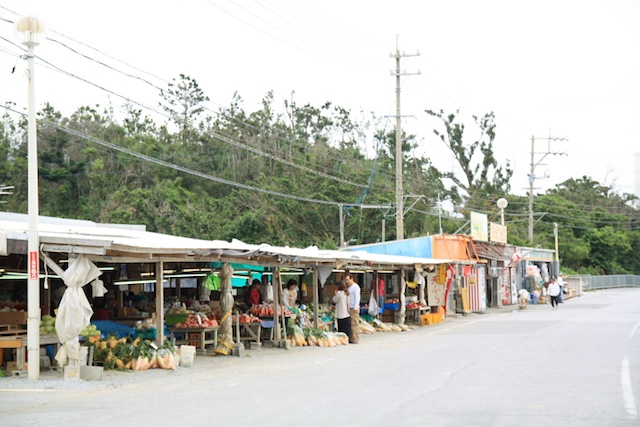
(588, 283)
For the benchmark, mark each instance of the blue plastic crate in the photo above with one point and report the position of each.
(392, 306)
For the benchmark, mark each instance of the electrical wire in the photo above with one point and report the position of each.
(183, 169)
(328, 57)
(279, 12)
(262, 5)
(217, 135)
(340, 159)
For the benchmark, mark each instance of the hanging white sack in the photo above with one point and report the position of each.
(374, 309)
(74, 312)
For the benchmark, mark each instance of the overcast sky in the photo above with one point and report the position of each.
(565, 69)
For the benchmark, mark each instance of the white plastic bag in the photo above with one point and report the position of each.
(373, 306)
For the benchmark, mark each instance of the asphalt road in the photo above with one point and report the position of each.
(578, 365)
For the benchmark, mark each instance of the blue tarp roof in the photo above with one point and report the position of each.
(420, 247)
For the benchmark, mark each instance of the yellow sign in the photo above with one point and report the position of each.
(498, 232)
(441, 274)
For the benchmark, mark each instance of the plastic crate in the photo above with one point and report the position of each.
(146, 334)
(172, 319)
(425, 319)
(392, 306)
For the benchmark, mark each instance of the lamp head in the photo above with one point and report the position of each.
(502, 203)
(31, 30)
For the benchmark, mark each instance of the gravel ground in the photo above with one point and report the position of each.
(51, 380)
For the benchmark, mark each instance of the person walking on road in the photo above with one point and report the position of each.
(554, 290)
(354, 308)
(561, 284)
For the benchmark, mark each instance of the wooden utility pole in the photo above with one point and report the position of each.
(532, 175)
(399, 156)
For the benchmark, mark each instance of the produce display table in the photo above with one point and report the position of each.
(392, 311)
(207, 336)
(250, 332)
(415, 313)
(19, 342)
(267, 323)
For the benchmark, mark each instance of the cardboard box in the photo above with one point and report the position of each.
(13, 317)
(11, 366)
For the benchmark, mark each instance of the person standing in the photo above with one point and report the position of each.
(254, 297)
(340, 299)
(561, 284)
(290, 294)
(354, 307)
(100, 311)
(554, 290)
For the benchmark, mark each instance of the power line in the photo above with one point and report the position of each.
(179, 168)
(244, 123)
(329, 57)
(341, 159)
(219, 135)
(304, 31)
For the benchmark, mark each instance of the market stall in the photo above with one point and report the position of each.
(115, 246)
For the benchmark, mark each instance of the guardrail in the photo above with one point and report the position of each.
(588, 282)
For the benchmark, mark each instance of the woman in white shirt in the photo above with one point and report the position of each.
(342, 309)
(554, 291)
(290, 294)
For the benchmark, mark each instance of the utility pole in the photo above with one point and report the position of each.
(555, 234)
(342, 242)
(399, 157)
(383, 208)
(439, 214)
(532, 175)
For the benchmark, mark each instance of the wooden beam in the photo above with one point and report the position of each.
(69, 249)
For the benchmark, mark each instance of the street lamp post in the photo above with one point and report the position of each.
(32, 29)
(502, 204)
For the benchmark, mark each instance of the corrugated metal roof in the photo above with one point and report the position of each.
(492, 250)
(112, 243)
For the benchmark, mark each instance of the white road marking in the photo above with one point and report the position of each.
(633, 330)
(627, 389)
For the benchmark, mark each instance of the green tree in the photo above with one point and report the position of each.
(609, 249)
(483, 180)
(597, 226)
(183, 101)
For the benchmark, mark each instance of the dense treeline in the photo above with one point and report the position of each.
(282, 174)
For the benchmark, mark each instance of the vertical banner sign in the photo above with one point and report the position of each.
(441, 271)
(33, 265)
(435, 292)
(473, 294)
(450, 275)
